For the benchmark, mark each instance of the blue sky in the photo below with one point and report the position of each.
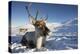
(56, 12)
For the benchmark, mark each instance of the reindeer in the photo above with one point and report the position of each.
(38, 37)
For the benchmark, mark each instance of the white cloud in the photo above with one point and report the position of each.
(54, 24)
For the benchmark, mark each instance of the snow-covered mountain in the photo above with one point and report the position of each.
(68, 28)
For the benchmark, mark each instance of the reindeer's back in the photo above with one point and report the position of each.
(28, 37)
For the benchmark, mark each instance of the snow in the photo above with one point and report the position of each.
(58, 39)
(52, 43)
(64, 37)
(17, 48)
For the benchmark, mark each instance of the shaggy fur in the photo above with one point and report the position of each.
(42, 26)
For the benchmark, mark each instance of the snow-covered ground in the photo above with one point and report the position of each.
(52, 43)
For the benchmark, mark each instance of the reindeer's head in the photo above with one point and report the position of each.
(39, 24)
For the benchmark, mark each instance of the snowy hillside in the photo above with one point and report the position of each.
(68, 28)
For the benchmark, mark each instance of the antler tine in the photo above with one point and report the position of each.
(27, 10)
(41, 18)
(46, 17)
(31, 18)
(37, 14)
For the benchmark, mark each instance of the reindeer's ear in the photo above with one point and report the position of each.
(32, 20)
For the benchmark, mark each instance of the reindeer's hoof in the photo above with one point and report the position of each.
(41, 49)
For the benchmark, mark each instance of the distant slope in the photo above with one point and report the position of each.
(69, 27)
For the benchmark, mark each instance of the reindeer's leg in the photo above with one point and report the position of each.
(39, 42)
(43, 41)
(31, 44)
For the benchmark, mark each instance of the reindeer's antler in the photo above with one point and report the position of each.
(31, 18)
(46, 17)
(29, 15)
(36, 14)
(27, 8)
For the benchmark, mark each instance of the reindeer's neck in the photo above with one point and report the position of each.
(38, 31)
(39, 38)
